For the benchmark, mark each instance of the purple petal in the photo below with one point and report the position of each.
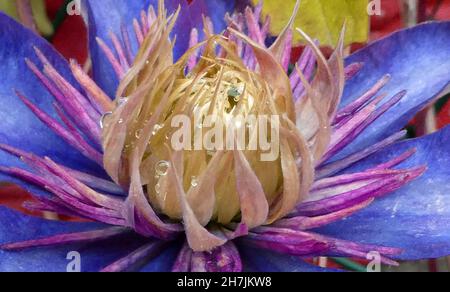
(415, 218)
(20, 127)
(417, 61)
(16, 227)
(224, 258)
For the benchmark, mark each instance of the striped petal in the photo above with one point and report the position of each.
(416, 60)
(416, 217)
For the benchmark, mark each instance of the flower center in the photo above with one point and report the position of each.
(217, 139)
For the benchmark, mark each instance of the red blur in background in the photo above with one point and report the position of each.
(70, 37)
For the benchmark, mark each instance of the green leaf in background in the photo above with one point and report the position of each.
(41, 19)
(322, 19)
(9, 6)
(40, 16)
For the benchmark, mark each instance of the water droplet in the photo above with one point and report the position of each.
(103, 118)
(138, 134)
(194, 182)
(158, 188)
(156, 129)
(127, 147)
(121, 101)
(234, 92)
(162, 168)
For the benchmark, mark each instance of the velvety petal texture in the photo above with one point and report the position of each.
(416, 217)
(165, 261)
(20, 127)
(18, 227)
(94, 256)
(417, 60)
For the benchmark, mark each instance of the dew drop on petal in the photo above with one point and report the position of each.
(194, 181)
(156, 129)
(138, 134)
(103, 118)
(162, 168)
(122, 101)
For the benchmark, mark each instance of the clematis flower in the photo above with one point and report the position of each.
(345, 182)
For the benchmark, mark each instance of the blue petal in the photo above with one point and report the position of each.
(214, 9)
(20, 128)
(164, 262)
(104, 17)
(110, 16)
(260, 260)
(418, 61)
(12, 161)
(416, 217)
(18, 227)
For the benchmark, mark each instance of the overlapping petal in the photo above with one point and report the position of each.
(416, 217)
(417, 60)
(164, 262)
(104, 17)
(94, 256)
(20, 127)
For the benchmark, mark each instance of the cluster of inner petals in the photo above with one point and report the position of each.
(221, 185)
